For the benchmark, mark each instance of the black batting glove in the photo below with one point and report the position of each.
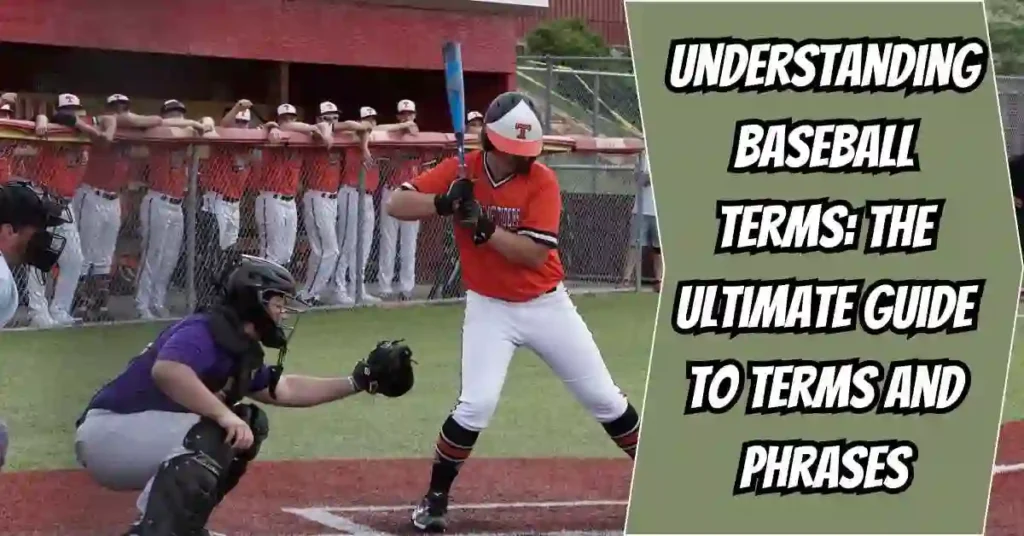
(472, 217)
(460, 191)
(485, 228)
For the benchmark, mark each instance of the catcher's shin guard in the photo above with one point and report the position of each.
(625, 431)
(188, 487)
(260, 426)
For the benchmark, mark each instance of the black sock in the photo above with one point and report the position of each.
(625, 431)
(454, 445)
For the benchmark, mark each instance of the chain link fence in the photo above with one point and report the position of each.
(156, 221)
(583, 96)
(1011, 105)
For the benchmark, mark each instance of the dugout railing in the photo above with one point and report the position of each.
(600, 180)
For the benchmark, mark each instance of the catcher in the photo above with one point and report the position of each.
(173, 423)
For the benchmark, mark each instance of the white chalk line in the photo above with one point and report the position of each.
(333, 516)
(1007, 468)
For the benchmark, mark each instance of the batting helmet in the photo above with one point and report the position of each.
(248, 287)
(512, 126)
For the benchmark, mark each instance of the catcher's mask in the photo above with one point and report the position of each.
(512, 128)
(24, 206)
(262, 292)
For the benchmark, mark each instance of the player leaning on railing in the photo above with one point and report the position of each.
(507, 210)
(173, 424)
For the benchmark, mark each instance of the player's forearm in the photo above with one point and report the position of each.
(408, 205)
(131, 120)
(304, 391)
(517, 248)
(180, 384)
(89, 130)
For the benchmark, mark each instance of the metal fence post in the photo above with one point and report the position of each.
(638, 181)
(550, 91)
(595, 113)
(192, 206)
(359, 271)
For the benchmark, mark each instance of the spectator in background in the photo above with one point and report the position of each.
(277, 217)
(645, 228)
(474, 122)
(393, 232)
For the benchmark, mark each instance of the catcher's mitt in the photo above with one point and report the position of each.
(387, 370)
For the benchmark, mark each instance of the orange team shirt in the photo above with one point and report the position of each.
(61, 168)
(530, 205)
(6, 163)
(168, 170)
(226, 171)
(280, 172)
(109, 168)
(406, 170)
(353, 163)
(323, 171)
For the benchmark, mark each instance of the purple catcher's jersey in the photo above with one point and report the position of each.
(188, 342)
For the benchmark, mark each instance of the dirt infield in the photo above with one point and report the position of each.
(582, 496)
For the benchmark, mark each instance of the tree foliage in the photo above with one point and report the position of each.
(1006, 28)
(565, 37)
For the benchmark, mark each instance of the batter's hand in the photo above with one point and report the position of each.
(239, 435)
(460, 192)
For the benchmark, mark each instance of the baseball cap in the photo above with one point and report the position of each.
(6, 107)
(68, 100)
(474, 115)
(173, 105)
(406, 105)
(244, 115)
(328, 107)
(366, 111)
(286, 109)
(117, 97)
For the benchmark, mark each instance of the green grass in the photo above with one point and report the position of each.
(46, 378)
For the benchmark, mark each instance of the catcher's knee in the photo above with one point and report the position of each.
(184, 493)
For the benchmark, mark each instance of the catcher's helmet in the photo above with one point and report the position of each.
(23, 205)
(512, 126)
(248, 288)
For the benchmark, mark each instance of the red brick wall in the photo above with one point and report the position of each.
(309, 31)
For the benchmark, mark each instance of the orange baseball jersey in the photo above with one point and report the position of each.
(61, 168)
(407, 167)
(109, 168)
(168, 170)
(353, 163)
(323, 170)
(280, 171)
(530, 205)
(226, 171)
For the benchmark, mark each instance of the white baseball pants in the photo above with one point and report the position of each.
(163, 227)
(395, 232)
(228, 217)
(99, 222)
(70, 264)
(348, 203)
(550, 326)
(320, 219)
(277, 220)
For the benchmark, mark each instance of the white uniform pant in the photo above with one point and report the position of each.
(277, 220)
(70, 264)
(395, 233)
(228, 218)
(550, 326)
(320, 219)
(123, 452)
(99, 222)
(348, 207)
(163, 227)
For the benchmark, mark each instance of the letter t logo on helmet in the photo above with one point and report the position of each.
(512, 126)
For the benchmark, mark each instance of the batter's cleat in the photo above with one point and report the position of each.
(429, 516)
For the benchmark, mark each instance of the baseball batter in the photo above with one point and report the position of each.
(320, 210)
(394, 233)
(60, 168)
(277, 217)
(161, 220)
(507, 211)
(97, 203)
(173, 424)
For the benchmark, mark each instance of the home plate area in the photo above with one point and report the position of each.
(564, 496)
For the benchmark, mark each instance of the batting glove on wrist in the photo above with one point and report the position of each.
(459, 192)
(472, 217)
